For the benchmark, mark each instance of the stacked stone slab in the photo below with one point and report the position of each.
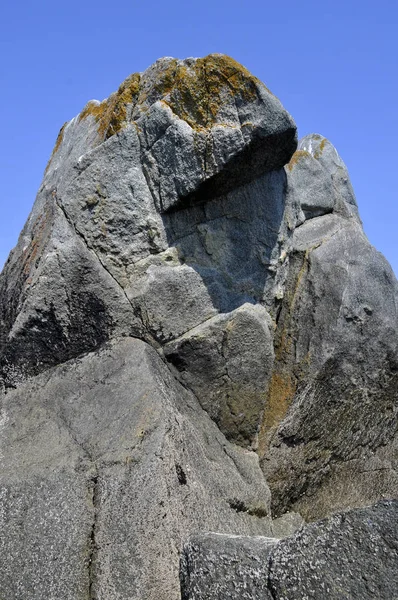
(195, 335)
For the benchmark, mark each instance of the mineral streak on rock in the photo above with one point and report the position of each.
(195, 335)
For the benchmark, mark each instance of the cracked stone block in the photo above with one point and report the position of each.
(106, 460)
(227, 362)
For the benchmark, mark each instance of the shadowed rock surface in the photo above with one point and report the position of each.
(195, 334)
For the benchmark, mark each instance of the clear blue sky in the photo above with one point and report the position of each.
(332, 64)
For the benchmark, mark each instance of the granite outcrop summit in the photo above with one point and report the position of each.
(195, 336)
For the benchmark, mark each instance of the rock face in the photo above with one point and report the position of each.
(226, 567)
(350, 555)
(195, 334)
(330, 426)
(106, 468)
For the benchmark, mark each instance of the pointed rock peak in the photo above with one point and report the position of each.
(205, 126)
(321, 148)
(320, 179)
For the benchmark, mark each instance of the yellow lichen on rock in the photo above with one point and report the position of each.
(318, 153)
(297, 156)
(111, 114)
(199, 91)
(58, 142)
(287, 373)
(194, 91)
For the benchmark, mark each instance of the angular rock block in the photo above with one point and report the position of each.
(225, 567)
(350, 555)
(107, 464)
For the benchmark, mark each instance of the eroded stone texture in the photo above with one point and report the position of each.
(350, 555)
(227, 362)
(205, 126)
(166, 214)
(107, 464)
(333, 400)
(225, 566)
(318, 180)
(182, 133)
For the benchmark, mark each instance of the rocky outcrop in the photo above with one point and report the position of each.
(227, 362)
(350, 555)
(181, 130)
(330, 425)
(107, 464)
(195, 334)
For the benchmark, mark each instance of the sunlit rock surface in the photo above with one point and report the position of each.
(195, 335)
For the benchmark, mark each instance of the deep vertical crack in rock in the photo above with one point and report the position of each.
(93, 549)
(270, 586)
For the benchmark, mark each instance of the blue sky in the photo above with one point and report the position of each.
(332, 64)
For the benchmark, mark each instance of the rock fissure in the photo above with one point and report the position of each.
(93, 549)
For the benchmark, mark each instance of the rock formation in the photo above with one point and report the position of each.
(351, 555)
(195, 335)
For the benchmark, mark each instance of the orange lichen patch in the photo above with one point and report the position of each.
(287, 373)
(280, 396)
(284, 344)
(111, 114)
(297, 156)
(58, 142)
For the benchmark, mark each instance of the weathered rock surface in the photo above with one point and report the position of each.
(107, 464)
(318, 180)
(183, 129)
(178, 212)
(330, 424)
(351, 555)
(227, 362)
(225, 567)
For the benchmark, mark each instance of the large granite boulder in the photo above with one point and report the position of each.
(107, 465)
(330, 425)
(349, 556)
(262, 377)
(98, 242)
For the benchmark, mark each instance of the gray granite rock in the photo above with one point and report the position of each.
(166, 214)
(181, 133)
(333, 402)
(107, 464)
(207, 126)
(227, 361)
(326, 154)
(350, 556)
(318, 180)
(225, 567)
